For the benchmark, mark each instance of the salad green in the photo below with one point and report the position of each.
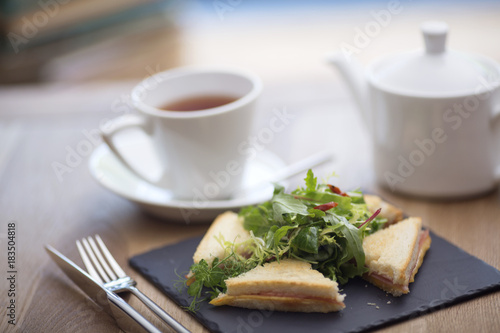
(316, 223)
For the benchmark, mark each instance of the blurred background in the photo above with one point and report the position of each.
(95, 40)
(80, 58)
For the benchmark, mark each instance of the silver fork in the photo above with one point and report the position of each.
(115, 279)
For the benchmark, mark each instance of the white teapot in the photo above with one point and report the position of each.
(433, 116)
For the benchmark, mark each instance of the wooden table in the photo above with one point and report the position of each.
(46, 210)
(39, 125)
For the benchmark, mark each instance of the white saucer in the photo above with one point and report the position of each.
(111, 174)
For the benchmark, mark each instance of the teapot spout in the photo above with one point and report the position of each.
(353, 74)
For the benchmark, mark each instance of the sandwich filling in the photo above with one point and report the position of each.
(280, 297)
(276, 294)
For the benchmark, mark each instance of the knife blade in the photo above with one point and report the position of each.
(126, 316)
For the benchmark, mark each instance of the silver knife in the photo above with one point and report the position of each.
(126, 316)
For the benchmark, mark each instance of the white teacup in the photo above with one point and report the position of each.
(197, 150)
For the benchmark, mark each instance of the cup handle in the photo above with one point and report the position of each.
(120, 124)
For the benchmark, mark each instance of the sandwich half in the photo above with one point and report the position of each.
(227, 227)
(388, 211)
(287, 285)
(394, 255)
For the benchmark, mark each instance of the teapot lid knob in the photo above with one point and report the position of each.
(434, 36)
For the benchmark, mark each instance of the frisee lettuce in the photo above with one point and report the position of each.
(296, 225)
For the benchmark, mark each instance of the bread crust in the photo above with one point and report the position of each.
(423, 250)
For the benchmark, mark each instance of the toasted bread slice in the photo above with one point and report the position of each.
(390, 212)
(227, 227)
(287, 285)
(394, 255)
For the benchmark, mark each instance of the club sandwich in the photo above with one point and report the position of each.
(287, 285)
(388, 211)
(227, 227)
(393, 255)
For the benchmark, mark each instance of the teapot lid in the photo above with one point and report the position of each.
(433, 71)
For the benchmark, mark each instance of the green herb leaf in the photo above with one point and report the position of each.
(307, 240)
(355, 248)
(285, 205)
(257, 218)
(281, 232)
(311, 181)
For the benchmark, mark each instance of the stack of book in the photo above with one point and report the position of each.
(36, 33)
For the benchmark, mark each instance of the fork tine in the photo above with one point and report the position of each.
(118, 270)
(103, 262)
(87, 263)
(96, 263)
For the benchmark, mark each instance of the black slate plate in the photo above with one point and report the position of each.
(448, 275)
